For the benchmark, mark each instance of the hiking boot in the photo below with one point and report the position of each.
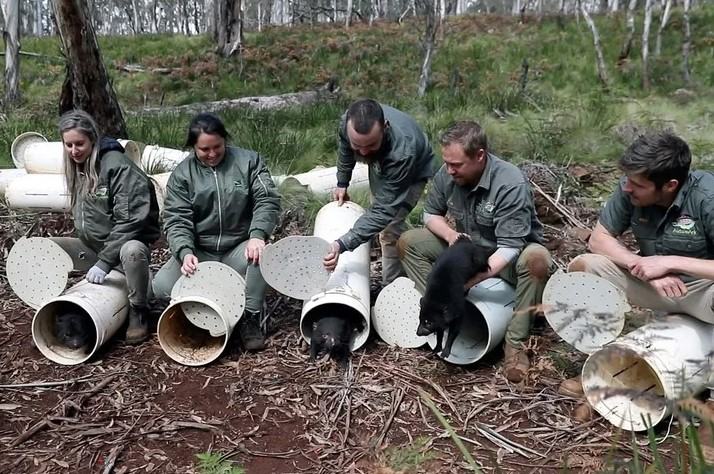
(515, 364)
(572, 387)
(583, 413)
(138, 330)
(251, 334)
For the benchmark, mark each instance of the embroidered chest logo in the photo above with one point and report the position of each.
(485, 207)
(684, 225)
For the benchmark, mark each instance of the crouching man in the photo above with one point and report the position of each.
(490, 201)
(670, 210)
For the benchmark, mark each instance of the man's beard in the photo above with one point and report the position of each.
(368, 160)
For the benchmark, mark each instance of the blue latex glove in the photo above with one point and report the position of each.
(96, 275)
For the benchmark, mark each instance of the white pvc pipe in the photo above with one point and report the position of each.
(156, 158)
(161, 180)
(20, 144)
(324, 180)
(347, 290)
(633, 380)
(48, 157)
(187, 343)
(44, 158)
(38, 191)
(107, 305)
(48, 191)
(7, 176)
(491, 310)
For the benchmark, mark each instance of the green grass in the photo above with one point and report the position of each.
(214, 463)
(409, 458)
(561, 116)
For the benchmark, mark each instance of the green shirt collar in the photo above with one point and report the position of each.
(682, 193)
(485, 181)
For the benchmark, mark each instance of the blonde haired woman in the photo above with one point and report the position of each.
(116, 215)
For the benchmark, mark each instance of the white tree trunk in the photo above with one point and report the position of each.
(615, 6)
(666, 13)
(601, 69)
(627, 45)
(38, 18)
(137, 17)
(11, 35)
(687, 44)
(649, 5)
(348, 14)
(429, 44)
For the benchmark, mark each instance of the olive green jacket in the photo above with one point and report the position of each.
(122, 208)
(217, 208)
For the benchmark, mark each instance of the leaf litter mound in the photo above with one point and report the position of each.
(132, 409)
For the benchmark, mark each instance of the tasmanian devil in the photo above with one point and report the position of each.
(444, 303)
(73, 328)
(332, 334)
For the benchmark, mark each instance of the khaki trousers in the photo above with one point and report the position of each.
(419, 249)
(696, 303)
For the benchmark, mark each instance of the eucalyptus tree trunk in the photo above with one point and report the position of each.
(229, 27)
(687, 44)
(136, 16)
(649, 5)
(601, 68)
(627, 45)
(11, 35)
(348, 13)
(86, 85)
(38, 18)
(428, 45)
(666, 13)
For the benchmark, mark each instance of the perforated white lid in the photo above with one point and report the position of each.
(395, 314)
(21, 143)
(37, 270)
(219, 283)
(586, 310)
(293, 266)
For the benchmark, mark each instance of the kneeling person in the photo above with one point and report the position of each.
(670, 210)
(221, 205)
(115, 212)
(491, 202)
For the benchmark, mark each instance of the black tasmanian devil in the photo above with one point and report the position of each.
(74, 329)
(332, 334)
(444, 303)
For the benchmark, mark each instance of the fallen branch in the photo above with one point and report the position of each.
(449, 429)
(37, 55)
(69, 406)
(47, 384)
(564, 211)
(327, 93)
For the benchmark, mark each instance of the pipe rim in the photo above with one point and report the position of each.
(173, 351)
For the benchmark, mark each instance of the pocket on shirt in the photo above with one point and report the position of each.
(486, 227)
(689, 246)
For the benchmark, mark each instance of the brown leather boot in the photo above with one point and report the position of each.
(138, 330)
(515, 363)
(583, 413)
(572, 387)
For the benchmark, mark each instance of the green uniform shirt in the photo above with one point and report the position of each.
(685, 229)
(406, 158)
(217, 208)
(497, 212)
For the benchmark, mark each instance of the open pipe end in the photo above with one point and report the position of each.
(65, 333)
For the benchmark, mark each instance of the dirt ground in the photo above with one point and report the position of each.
(132, 409)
